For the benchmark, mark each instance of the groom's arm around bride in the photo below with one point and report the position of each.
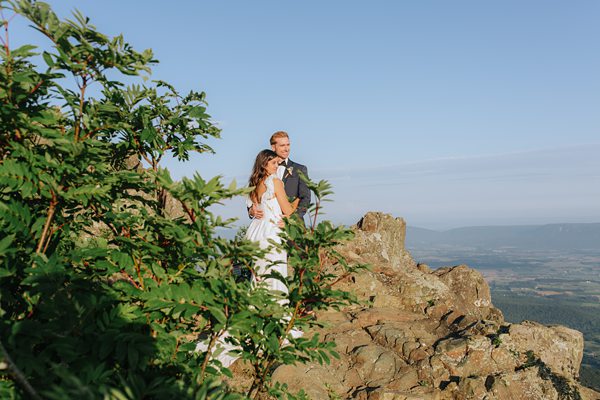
(289, 173)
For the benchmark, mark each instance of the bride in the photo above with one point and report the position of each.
(269, 195)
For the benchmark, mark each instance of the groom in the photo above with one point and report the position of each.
(288, 173)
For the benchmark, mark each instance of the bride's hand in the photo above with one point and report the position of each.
(256, 212)
(295, 203)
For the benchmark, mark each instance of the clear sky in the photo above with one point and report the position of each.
(445, 113)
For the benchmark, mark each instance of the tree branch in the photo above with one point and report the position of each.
(18, 375)
(51, 211)
(79, 120)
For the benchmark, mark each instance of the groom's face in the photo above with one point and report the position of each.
(282, 147)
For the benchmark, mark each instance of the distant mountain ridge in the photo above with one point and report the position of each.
(568, 236)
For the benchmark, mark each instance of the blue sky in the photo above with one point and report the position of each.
(444, 113)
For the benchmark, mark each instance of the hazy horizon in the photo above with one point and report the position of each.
(520, 188)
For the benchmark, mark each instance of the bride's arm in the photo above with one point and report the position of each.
(286, 207)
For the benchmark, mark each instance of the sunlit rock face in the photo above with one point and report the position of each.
(424, 334)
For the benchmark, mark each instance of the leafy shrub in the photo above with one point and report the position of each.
(109, 272)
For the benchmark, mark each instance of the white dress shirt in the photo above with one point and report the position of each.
(281, 169)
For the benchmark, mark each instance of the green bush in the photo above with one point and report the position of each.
(105, 291)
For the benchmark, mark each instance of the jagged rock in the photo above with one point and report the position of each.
(525, 385)
(317, 381)
(472, 387)
(418, 393)
(375, 364)
(407, 378)
(471, 356)
(559, 347)
(432, 335)
(469, 288)
(588, 394)
(372, 316)
(381, 237)
(424, 268)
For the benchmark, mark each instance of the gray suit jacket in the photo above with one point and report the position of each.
(295, 187)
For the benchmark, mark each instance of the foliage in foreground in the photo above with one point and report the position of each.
(104, 293)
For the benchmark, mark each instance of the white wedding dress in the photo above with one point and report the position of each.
(264, 231)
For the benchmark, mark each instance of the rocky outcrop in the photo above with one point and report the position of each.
(424, 334)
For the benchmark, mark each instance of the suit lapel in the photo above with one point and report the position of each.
(290, 181)
(286, 172)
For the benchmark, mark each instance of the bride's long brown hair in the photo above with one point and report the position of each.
(259, 171)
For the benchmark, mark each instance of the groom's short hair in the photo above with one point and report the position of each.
(277, 135)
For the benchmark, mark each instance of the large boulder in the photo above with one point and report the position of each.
(559, 347)
(470, 292)
(380, 237)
